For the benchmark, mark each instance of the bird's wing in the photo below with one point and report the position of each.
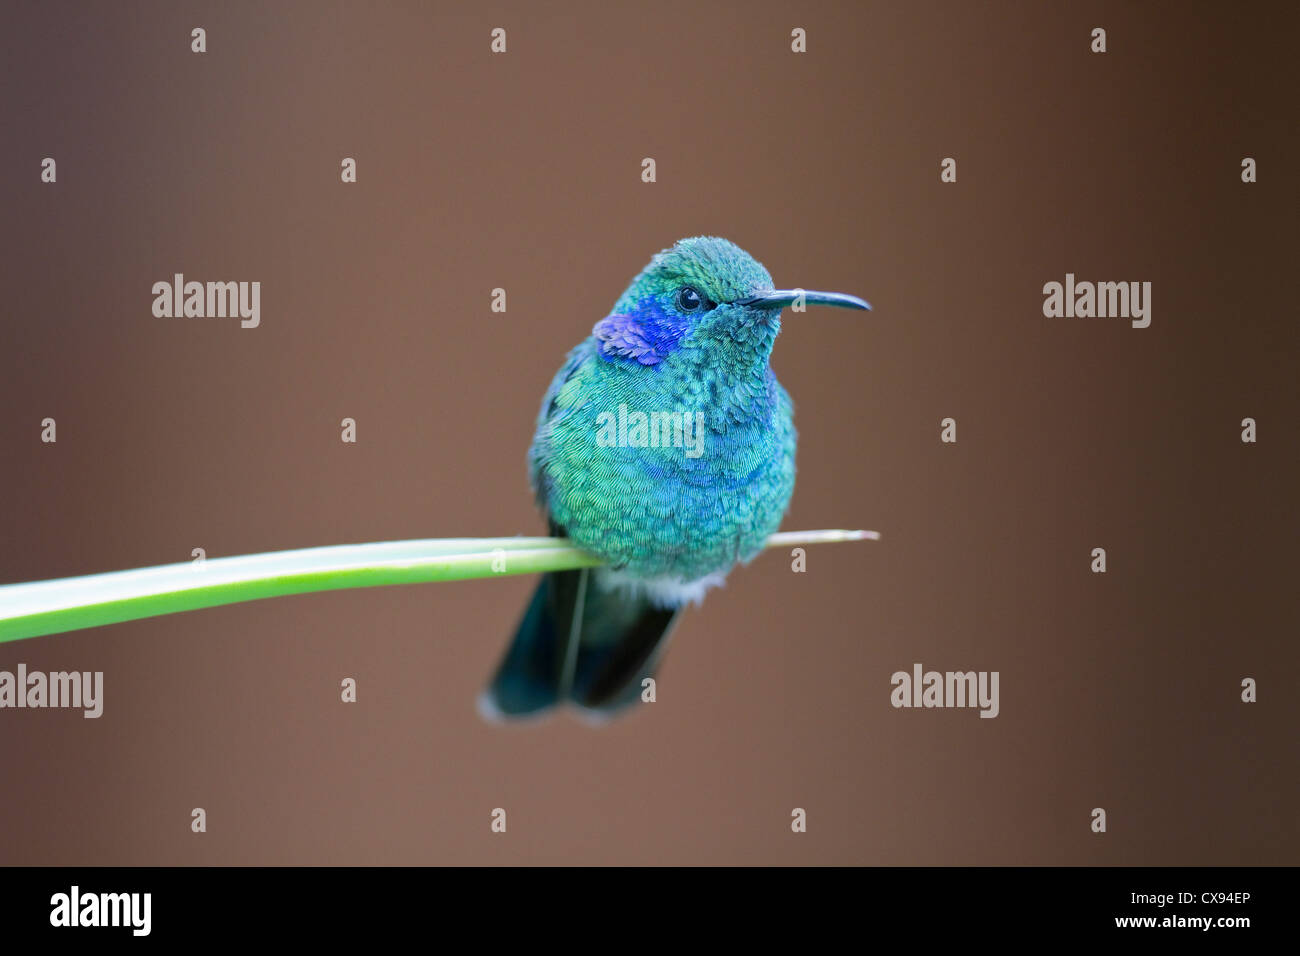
(554, 406)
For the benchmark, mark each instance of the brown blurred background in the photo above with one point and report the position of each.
(523, 171)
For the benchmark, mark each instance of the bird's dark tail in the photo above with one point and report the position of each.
(578, 643)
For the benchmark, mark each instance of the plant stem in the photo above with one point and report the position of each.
(67, 604)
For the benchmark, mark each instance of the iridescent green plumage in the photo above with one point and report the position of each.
(657, 512)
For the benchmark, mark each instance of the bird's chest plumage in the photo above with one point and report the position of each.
(666, 475)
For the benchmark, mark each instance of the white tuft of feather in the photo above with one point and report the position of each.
(667, 591)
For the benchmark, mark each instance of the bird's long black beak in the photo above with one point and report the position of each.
(780, 298)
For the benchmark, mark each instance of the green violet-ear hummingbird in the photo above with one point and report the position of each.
(665, 446)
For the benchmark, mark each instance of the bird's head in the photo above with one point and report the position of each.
(706, 296)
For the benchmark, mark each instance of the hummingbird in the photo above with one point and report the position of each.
(666, 447)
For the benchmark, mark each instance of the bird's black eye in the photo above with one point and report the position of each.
(688, 300)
